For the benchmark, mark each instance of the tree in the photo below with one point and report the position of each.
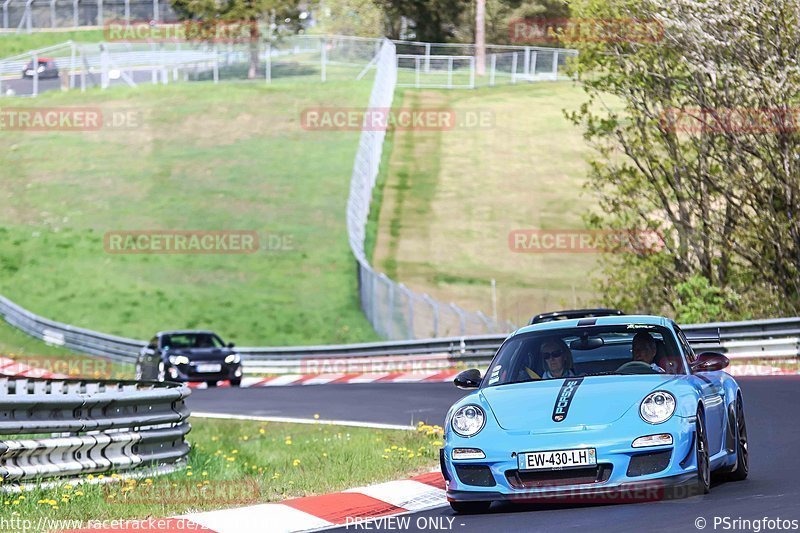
(350, 17)
(431, 20)
(248, 20)
(726, 197)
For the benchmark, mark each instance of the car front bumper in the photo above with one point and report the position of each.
(189, 373)
(615, 480)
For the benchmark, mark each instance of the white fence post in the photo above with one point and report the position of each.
(216, 64)
(268, 63)
(526, 69)
(472, 72)
(449, 72)
(555, 64)
(493, 69)
(513, 67)
(72, 66)
(35, 65)
(324, 59)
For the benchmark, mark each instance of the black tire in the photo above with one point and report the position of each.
(470, 507)
(701, 452)
(742, 467)
(236, 383)
(211, 384)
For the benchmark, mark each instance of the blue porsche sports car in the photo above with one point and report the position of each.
(592, 407)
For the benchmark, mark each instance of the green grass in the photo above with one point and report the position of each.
(225, 157)
(241, 462)
(452, 196)
(26, 350)
(18, 43)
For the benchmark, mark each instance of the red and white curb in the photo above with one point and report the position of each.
(329, 510)
(10, 367)
(436, 376)
(313, 513)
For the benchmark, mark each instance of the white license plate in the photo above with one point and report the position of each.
(557, 459)
(209, 368)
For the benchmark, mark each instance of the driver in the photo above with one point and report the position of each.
(644, 350)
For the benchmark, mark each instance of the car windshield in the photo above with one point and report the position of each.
(192, 340)
(586, 351)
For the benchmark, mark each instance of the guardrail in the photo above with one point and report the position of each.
(777, 338)
(89, 427)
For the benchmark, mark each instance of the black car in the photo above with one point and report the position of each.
(196, 356)
(574, 313)
(46, 68)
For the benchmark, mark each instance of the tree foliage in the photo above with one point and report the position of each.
(264, 19)
(726, 197)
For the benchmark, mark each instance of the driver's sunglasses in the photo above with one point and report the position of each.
(551, 355)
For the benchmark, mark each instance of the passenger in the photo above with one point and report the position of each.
(557, 359)
(644, 350)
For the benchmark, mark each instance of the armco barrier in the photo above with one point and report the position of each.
(89, 427)
(777, 338)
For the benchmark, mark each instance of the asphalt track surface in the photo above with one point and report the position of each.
(24, 86)
(772, 490)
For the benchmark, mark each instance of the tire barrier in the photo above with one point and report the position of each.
(52, 428)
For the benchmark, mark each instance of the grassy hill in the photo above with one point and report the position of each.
(451, 197)
(200, 157)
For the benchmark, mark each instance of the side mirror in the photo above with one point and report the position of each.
(231, 345)
(710, 362)
(468, 379)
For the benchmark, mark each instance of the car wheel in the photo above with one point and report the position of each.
(236, 383)
(742, 458)
(701, 449)
(470, 507)
(211, 384)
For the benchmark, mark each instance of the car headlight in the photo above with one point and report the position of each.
(233, 359)
(178, 359)
(657, 407)
(468, 420)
